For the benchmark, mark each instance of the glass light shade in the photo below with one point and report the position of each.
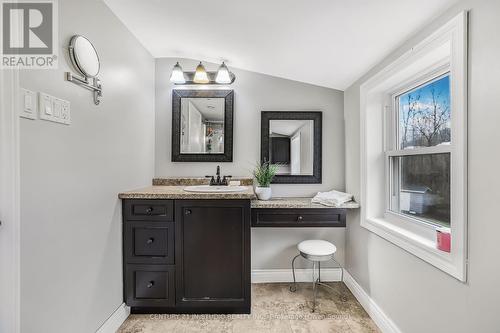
(200, 76)
(223, 74)
(177, 75)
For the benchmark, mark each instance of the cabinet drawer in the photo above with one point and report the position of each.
(149, 242)
(150, 285)
(149, 210)
(294, 217)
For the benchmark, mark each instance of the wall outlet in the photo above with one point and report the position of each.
(28, 105)
(54, 109)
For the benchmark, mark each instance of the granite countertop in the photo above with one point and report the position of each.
(173, 188)
(297, 203)
(177, 192)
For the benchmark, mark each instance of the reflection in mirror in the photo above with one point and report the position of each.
(202, 126)
(291, 145)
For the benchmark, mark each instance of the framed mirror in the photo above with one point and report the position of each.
(84, 56)
(202, 125)
(292, 139)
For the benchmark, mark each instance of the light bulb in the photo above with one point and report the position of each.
(177, 75)
(200, 76)
(223, 74)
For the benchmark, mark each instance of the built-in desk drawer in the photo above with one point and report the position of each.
(149, 210)
(150, 285)
(148, 242)
(298, 217)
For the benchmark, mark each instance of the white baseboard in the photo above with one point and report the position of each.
(114, 322)
(383, 322)
(302, 275)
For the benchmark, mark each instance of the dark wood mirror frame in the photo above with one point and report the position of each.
(316, 117)
(228, 96)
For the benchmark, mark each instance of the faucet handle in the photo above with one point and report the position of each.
(212, 179)
(225, 180)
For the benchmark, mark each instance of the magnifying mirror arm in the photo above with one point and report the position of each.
(95, 86)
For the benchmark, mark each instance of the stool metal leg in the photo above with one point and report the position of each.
(293, 288)
(315, 282)
(319, 271)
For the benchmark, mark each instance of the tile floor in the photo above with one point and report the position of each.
(274, 309)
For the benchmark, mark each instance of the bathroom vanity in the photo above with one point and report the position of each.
(189, 252)
(186, 252)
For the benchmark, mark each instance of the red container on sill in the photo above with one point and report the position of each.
(443, 239)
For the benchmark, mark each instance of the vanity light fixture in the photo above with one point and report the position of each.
(201, 76)
(223, 75)
(177, 75)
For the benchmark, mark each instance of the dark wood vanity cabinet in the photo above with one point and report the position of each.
(187, 256)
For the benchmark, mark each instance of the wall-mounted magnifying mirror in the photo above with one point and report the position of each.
(84, 56)
(85, 59)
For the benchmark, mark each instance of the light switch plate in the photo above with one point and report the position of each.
(54, 109)
(28, 105)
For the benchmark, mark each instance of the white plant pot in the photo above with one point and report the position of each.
(263, 193)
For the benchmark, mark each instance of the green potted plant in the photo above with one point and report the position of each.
(264, 174)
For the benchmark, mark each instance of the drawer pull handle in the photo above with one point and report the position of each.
(188, 212)
(300, 218)
(150, 240)
(151, 284)
(149, 210)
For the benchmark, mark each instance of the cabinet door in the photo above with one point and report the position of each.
(213, 255)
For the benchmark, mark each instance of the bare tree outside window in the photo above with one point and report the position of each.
(425, 115)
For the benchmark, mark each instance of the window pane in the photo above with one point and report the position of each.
(424, 115)
(421, 187)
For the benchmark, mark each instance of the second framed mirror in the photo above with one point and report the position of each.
(292, 139)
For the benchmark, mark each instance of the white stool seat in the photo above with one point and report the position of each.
(317, 249)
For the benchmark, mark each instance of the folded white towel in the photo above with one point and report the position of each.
(332, 198)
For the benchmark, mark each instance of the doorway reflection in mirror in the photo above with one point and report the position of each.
(202, 125)
(291, 146)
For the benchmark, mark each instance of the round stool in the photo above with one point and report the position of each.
(315, 250)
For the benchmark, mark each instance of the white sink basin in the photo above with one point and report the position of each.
(214, 189)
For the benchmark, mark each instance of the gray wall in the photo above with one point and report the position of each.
(254, 92)
(71, 275)
(415, 295)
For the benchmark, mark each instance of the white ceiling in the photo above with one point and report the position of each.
(330, 43)
(210, 108)
(286, 127)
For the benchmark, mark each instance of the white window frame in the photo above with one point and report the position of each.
(444, 51)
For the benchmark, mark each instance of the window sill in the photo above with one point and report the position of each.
(413, 243)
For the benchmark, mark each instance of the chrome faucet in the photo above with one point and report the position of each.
(217, 181)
